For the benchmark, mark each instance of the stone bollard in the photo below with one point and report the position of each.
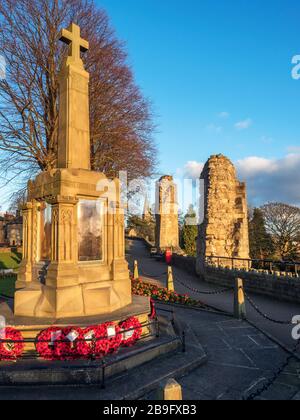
(170, 391)
(170, 280)
(136, 275)
(239, 300)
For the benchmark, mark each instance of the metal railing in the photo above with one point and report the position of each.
(272, 266)
(153, 331)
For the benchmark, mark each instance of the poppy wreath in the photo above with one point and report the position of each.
(11, 350)
(66, 344)
(114, 336)
(58, 343)
(132, 331)
(44, 344)
(100, 340)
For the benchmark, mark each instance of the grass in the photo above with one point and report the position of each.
(7, 285)
(10, 260)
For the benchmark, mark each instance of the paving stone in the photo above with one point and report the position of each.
(267, 359)
(280, 392)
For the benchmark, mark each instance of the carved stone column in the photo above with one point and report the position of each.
(25, 269)
(63, 270)
(120, 265)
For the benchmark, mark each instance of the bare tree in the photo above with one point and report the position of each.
(283, 223)
(121, 121)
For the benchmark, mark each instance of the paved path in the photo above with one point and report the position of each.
(274, 308)
(240, 361)
(241, 358)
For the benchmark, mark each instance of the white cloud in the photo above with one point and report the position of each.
(193, 169)
(253, 165)
(243, 125)
(271, 179)
(293, 149)
(267, 179)
(224, 115)
(214, 128)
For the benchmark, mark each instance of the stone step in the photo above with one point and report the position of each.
(41, 372)
(147, 371)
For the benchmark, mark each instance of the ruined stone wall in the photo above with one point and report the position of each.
(167, 229)
(224, 231)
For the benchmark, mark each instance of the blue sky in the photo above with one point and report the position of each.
(219, 76)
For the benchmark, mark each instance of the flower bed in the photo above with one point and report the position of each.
(155, 292)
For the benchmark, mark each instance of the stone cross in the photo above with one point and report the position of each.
(74, 122)
(71, 36)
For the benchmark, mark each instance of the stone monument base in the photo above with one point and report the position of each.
(30, 327)
(125, 365)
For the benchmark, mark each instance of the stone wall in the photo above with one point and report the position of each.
(281, 287)
(224, 231)
(167, 228)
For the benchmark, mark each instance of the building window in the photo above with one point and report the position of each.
(90, 230)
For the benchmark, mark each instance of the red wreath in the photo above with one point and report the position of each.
(44, 344)
(54, 343)
(11, 350)
(95, 341)
(131, 331)
(116, 340)
(66, 344)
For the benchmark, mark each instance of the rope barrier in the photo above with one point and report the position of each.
(260, 312)
(201, 292)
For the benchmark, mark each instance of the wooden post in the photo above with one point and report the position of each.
(136, 275)
(239, 300)
(170, 280)
(170, 391)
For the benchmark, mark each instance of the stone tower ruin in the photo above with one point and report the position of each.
(167, 228)
(224, 231)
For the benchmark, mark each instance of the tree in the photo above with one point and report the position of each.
(189, 233)
(121, 120)
(261, 244)
(144, 228)
(283, 223)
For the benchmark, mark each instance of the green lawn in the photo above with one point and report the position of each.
(7, 285)
(9, 260)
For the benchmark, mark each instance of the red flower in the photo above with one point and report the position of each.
(11, 350)
(100, 340)
(95, 343)
(45, 342)
(132, 331)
